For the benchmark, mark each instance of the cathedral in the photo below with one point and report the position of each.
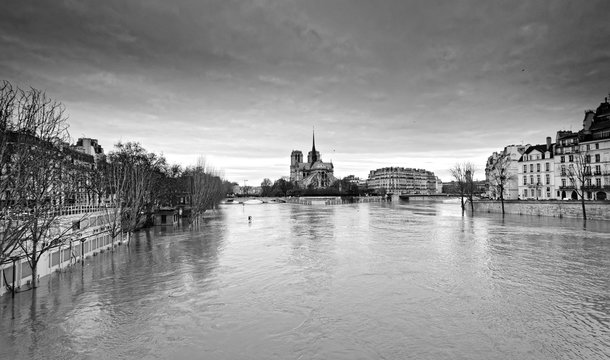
(311, 174)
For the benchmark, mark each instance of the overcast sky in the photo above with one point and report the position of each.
(420, 84)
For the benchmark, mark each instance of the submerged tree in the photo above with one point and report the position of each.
(12, 225)
(204, 188)
(463, 174)
(499, 175)
(459, 175)
(579, 174)
(39, 166)
(129, 176)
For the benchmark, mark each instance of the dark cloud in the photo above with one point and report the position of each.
(408, 83)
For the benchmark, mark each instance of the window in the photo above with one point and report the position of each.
(588, 147)
(524, 168)
(563, 170)
(587, 170)
(571, 158)
(537, 179)
(546, 167)
(598, 169)
(588, 158)
(589, 182)
(598, 182)
(563, 182)
(524, 192)
(596, 146)
(563, 159)
(597, 158)
(525, 180)
(531, 167)
(548, 179)
(532, 179)
(537, 167)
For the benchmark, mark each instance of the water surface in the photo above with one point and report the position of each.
(364, 281)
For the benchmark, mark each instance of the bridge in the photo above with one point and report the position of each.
(425, 196)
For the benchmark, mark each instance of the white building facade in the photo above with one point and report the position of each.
(536, 172)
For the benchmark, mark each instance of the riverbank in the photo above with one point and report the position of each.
(596, 210)
(334, 200)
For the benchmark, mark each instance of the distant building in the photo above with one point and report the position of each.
(311, 174)
(399, 180)
(90, 147)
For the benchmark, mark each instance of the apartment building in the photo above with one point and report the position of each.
(536, 172)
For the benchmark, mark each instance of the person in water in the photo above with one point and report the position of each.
(249, 218)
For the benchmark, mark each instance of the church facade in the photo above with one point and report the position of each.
(314, 173)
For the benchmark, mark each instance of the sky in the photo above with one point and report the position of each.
(421, 84)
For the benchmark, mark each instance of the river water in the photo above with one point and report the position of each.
(362, 281)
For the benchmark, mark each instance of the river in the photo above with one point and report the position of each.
(363, 281)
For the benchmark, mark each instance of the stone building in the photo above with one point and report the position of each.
(536, 172)
(589, 147)
(91, 147)
(314, 173)
(511, 188)
(399, 180)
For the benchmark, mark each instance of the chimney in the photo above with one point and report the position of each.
(548, 143)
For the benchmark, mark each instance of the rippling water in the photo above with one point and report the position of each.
(363, 281)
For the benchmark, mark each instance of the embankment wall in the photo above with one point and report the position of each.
(596, 210)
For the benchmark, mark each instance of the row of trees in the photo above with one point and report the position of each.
(341, 187)
(41, 175)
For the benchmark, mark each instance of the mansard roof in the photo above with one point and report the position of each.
(541, 148)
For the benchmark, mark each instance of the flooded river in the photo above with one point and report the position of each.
(362, 281)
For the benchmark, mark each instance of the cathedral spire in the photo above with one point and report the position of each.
(314, 153)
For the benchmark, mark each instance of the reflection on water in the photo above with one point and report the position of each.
(369, 281)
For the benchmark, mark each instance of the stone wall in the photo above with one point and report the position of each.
(334, 200)
(596, 210)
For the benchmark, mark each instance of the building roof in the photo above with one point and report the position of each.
(541, 148)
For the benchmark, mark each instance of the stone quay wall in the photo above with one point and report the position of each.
(596, 210)
(334, 200)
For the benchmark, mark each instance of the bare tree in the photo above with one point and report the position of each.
(459, 175)
(204, 188)
(470, 185)
(579, 174)
(40, 166)
(129, 180)
(463, 174)
(12, 226)
(499, 175)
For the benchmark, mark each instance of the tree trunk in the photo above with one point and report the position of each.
(502, 198)
(502, 201)
(582, 201)
(462, 201)
(34, 266)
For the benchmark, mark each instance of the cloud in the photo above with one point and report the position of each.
(246, 81)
